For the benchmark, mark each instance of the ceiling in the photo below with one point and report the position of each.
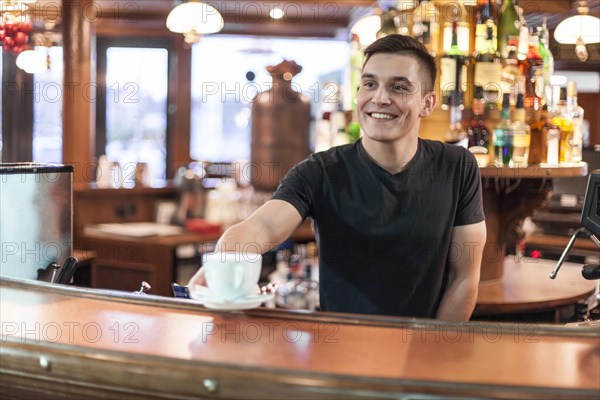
(304, 18)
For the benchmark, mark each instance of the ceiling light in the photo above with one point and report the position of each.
(366, 28)
(579, 30)
(32, 61)
(194, 19)
(276, 13)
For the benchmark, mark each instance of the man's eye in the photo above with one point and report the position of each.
(400, 88)
(369, 84)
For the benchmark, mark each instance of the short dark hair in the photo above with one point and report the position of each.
(405, 44)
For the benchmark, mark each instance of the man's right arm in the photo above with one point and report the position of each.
(268, 226)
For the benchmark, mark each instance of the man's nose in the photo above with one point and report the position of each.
(380, 96)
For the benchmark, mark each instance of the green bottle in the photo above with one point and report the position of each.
(507, 26)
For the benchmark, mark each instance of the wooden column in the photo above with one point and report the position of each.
(17, 112)
(79, 87)
(179, 109)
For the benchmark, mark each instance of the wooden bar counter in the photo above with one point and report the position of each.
(65, 342)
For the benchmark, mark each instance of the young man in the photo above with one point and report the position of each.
(399, 220)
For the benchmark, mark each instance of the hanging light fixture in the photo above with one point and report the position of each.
(194, 19)
(579, 30)
(33, 61)
(366, 28)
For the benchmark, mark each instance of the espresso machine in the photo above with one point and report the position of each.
(36, 222)
(590, 227)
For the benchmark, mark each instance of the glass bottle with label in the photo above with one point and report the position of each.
(479, 135)
(532, 69)
(511, 80)
(552, 139)
(548, 59)
(452, 72)
(388, 23)
(503, 135)
(538, 138)
(575, 113)
(523, 47)
(563, 122)
(426, 25)
(456, 134)
(507, 26)
(488, 65)
(521, 135)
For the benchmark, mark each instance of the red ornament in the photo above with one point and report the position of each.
(21, 38)
(26, 26)
(14, 36)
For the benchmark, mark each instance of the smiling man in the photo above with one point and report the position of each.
(398, 219)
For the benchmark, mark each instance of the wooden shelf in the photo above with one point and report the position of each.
(535, 171)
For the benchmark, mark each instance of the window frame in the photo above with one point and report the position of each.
(102, 44)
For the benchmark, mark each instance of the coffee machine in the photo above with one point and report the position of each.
(36, 221)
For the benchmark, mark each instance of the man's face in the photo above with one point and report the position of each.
(390, 99)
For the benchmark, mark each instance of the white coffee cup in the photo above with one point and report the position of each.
(231, 275)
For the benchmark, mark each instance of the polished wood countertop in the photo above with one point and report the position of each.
(50, 332)
(526, 286)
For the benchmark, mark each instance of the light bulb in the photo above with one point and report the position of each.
(580, 50)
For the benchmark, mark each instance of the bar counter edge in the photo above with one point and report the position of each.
(30, 367)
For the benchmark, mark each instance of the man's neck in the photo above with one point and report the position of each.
(391, 156)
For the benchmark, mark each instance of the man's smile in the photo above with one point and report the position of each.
(381, 116)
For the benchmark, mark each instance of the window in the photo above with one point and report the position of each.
(223, 88)
(132, 122)
(47, 110)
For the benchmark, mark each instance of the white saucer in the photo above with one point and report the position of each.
(249, 301)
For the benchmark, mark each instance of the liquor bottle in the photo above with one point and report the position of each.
(561, 120)
(503, 135)
(488, 65)
(521, 135)
(507, 26)
(551, 139)
(485, 20)
(456, 134)
(426, 26)
(478, 133)
(511, 80)
(548, 59)
(388, 23)
(537, 147)
(575, 113)
(523, 47)
(452, 72)
(532, 69)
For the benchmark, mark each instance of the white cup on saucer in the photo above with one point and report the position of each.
(232, 275)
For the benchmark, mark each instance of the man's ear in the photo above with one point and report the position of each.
(428, 104)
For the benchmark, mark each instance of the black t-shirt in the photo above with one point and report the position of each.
(384, 238)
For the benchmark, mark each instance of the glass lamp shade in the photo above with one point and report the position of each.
(366, 28)
(584, 26)
(194, 19)
(32, 62)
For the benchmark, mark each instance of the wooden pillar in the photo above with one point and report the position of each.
(179, 109)
(79, 87)
(17, 112)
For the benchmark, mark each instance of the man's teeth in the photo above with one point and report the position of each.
(382, 116)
